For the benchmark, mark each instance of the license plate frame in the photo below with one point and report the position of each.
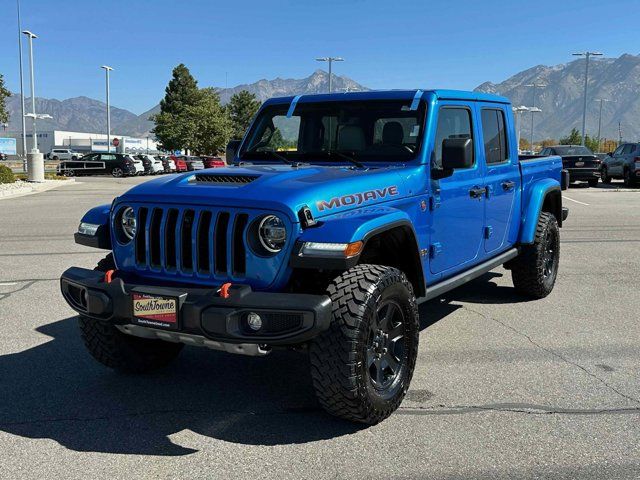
(579, 164)
(155, 310)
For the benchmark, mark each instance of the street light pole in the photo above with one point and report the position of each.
(601, 100)
(518, 111)
(534, 85)
(24, 124)
(33, 87)
(587, 56)
(330, 60)
(107, 69)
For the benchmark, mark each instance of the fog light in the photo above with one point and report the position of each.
(254, 321)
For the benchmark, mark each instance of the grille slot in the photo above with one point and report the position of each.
(220, 242)
(170, 239)
(141, 234)
(224, 178)
(186, 232)
(154, 237)
(239, 250)
(203, 243)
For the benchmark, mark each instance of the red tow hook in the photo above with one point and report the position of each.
(108, 275)
(224, 290)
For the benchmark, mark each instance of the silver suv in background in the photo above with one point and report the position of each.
(63, 154)
(623, 163)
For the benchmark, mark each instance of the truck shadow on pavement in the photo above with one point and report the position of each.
(56, 391)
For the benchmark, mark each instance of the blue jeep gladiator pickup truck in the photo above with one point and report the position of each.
(338, 215)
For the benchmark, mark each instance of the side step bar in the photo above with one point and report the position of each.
(450, 283)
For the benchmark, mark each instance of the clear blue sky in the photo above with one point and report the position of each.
(386, 44)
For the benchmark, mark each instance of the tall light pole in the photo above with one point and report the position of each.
(601, 100)
(518, 111)
(24, 124)
(330, 60)
(533, 109)
(33, 87)
(587, 55)
(107, 69)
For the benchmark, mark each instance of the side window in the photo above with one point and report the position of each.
(107, 157)
(493, 133)
(453, 122)
(618, 150)
(627, 149)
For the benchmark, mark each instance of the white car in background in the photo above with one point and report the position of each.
(63, 154)
(138, 164)
(156, 164)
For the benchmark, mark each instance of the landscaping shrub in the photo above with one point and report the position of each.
(6, 175)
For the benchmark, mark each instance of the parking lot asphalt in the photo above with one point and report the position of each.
(504, 387)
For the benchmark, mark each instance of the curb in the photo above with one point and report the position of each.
(35, 188)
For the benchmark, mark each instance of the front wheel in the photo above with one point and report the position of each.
(362, 365)
(120, 351)
(535, 270)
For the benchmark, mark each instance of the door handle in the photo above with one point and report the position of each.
(477, 192)
(508, 185)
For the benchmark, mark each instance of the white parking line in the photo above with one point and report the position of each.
(7, 284)
(581, 203)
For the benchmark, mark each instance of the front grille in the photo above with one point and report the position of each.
(226, 179)
(191, 241)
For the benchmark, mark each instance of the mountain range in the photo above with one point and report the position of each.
(615, 79)
(82, 114)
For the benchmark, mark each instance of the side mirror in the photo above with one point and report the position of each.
(457, 153)
(232, 149)
(610, 154)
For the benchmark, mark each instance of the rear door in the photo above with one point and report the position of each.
(502, 178)
(458, 217)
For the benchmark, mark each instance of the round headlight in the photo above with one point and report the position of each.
(272, 233)
(128, 222)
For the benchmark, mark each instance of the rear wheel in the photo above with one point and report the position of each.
(535, 270)
(122, 352)
(362, 365)
(628, 178)
(117, 172)
(604, 176)
(593, 182)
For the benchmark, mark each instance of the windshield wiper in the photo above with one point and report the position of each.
(348, 158)
(279, 157)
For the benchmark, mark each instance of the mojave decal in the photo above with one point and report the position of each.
(355, 199)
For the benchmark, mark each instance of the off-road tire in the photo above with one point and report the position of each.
(120, 351)
(340, 369)
(534, 271)
(593, 183)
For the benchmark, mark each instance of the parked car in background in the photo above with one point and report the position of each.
(193, 163)
(152, 166)
(167, 163)
(213, 162)
(583, 165)
(623, 163)
(114, 164)
(63, 154)
(3, 157)
(181, 165)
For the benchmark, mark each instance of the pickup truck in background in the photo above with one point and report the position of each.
(582, 164)
(340, 214)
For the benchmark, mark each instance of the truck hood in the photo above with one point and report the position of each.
(324, 189)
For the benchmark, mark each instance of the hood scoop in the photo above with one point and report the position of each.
(222, 179)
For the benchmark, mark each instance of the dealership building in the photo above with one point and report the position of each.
(85, 142)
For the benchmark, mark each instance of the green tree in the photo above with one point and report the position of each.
(574, 138)
(4, 94)
(591, 143)
(172, 126)
(207, 126)
(242, 107)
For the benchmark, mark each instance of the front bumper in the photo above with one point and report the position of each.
(288, 318)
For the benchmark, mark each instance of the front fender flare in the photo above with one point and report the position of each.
(96, 216)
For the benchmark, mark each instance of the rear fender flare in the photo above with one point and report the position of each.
(533, 204)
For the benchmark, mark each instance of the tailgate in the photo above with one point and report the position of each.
(581, 161)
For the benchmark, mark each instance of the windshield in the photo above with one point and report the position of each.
(567, 151)
(355, 131)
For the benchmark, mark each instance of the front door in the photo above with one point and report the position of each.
(458, 213)
(502, 179)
